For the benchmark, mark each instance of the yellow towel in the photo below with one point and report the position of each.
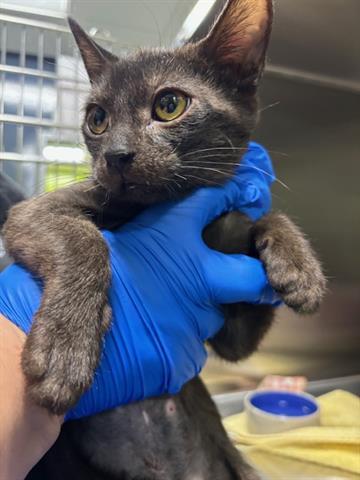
(335, 443)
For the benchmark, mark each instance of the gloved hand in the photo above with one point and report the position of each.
(166, 291)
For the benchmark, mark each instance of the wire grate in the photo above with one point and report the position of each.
(43, 85)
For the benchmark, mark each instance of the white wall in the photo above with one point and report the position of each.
(134, 23)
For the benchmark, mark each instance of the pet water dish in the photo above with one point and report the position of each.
(274, 411)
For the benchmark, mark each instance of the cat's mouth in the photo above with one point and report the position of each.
(127, 185)
(162, 186)
(134, 190)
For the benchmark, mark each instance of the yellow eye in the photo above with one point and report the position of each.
(97, 120)
(169, 105)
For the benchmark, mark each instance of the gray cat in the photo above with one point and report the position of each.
(10, 194)
(158, 124)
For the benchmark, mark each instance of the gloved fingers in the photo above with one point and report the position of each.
(189, 216)
(211, 322)
(248, 190)
(237, 278)
(193, 358)
(270, 297)
(257, 158)
(206, 204)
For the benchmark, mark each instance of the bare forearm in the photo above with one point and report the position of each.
(26, 430)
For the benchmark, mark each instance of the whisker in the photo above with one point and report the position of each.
(93, 187)
(168, 189)
(204, 179)
(229, 140)
(166, 179)
(233, 149)
(206, 168)
(174, 150)
(212, 149)
(180, 176)
(213, 155)
(107, 196)
(241, 165)
(268, 174)
(211, 163)
(169, 186)
(275, 104)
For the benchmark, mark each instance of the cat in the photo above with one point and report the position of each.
(10, 193)
(158, 124)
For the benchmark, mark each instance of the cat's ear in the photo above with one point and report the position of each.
(95, 57)
(240, 36)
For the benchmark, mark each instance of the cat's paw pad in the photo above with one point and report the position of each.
(294, 272)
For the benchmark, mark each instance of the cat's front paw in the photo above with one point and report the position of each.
(291, 265)
(59, 363)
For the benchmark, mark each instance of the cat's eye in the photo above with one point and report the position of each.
(169, 105)
(97, 120)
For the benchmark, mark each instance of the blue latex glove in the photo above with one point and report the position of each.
(166, 291)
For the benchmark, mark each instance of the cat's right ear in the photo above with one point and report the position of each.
(95, 57)
(238, 40)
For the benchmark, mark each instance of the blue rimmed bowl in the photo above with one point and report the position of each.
(274, 411)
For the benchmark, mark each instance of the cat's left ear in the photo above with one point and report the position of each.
(95, 58)
(239, 38)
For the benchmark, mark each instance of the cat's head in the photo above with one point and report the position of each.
(160, 122)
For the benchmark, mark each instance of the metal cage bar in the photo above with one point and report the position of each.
(41, 86)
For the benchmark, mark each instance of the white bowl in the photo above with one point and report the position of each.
(274, 411)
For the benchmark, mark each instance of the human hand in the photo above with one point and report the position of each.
(167, 288)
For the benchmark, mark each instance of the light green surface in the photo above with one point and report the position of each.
(62, 174)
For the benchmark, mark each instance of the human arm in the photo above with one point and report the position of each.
(27, 431)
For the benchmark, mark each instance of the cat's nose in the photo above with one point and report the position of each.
(119, 158)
